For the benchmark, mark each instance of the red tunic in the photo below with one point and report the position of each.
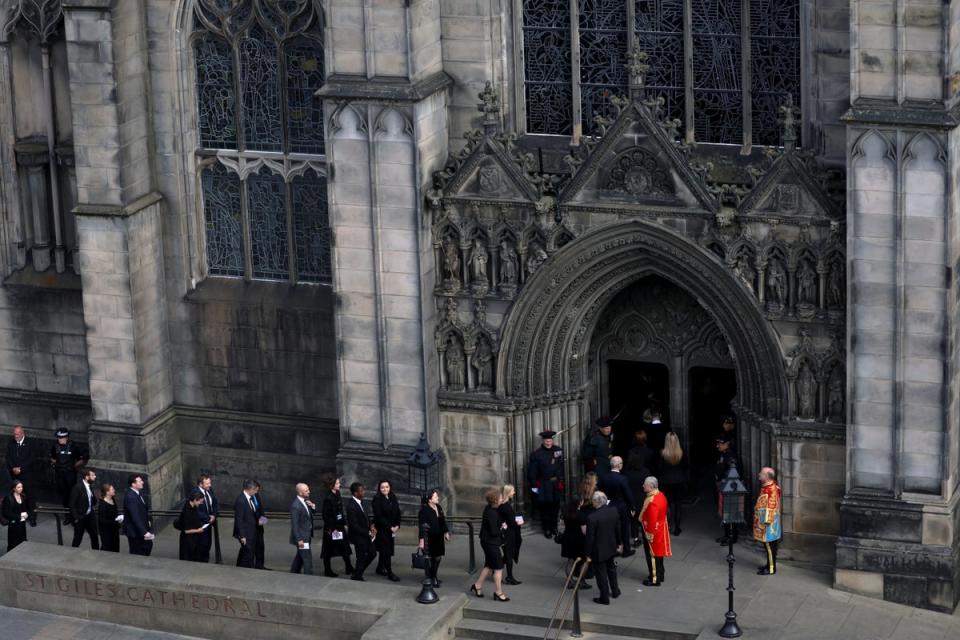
(653, 516)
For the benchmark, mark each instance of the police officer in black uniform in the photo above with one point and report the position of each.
(66, 457)
(596, 450)
(545, 477)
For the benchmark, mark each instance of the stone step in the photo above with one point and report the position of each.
(488, 612)
(473, 629)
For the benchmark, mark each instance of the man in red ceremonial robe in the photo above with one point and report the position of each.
(656, 538)
(766, 519)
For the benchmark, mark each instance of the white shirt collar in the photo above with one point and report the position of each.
(303, 502)
(357, 500)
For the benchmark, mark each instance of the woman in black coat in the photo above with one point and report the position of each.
(334, 526)
(191, 527)
(491, 537)
(433, 533)
(107, 522)
(386, 517)
(511, 535)
(16, 511)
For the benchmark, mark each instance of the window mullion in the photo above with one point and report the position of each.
(688, 69)
(238, 91)
(631, 27)
(577, 111)
(291, 238)
(284, 107)
(747, 89)
(245, 228)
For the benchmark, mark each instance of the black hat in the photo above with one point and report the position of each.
(547, 434)
(604, 421)
(729, 419)
(63, 433)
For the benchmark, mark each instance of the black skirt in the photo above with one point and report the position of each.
(492, 556)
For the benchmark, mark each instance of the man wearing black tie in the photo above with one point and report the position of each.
(82, 503)
(301, 530)
(20, 463)
(259, 555)
(360, 532)
(136, 519)
(245, 524)
(208, 511)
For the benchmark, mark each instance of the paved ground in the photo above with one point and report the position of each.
(796, 604)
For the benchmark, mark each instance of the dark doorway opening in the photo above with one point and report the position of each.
(710, 392)
(635, 387)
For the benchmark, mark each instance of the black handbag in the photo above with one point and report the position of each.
(418, 560)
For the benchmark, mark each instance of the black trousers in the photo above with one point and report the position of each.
(140, 547)
(771, 548)
(88, 524)
(303, 561)
(606, 575)
(258, 549)
(245, 557)
(654, 563)
(625, 528)
(548, 515)
(365, 554)
(204, 545)
(65, 482)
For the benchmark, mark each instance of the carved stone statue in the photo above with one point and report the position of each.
(451, 261)
(835, 287)
(835, 400)
(745, 272)
(478, 264)
(776, 282)
(455, 359)
(536, 258)
(807, 284)
(508, 263)
(806, 393)
(482, 363)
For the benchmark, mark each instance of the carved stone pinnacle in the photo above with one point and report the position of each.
(790, 113)
(490, 108)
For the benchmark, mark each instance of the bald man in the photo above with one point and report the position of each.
(301, 530)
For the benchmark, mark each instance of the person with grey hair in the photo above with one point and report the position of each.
(656, 533)
(617, 488)
(604, 542)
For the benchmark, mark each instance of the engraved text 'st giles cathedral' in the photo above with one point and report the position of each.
(282, 237)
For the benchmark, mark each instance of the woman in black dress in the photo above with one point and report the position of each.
(334, 525)
(191, 527)
(673, 478)
(511, 536)
(491, 537)
(107, 521)
(16, 512)
(433, 533)
(386, 517)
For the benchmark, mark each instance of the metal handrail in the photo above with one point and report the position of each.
(584, 564)
(57, 512)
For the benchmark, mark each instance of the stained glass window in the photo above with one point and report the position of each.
(709, 42)
(257, 72)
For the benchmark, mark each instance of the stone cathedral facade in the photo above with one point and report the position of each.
(278, 237)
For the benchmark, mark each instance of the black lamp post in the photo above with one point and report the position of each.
(734, 494)
(423, 468)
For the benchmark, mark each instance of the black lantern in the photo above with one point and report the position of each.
(423, 467)
(733, 493)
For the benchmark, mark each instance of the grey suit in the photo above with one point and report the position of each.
(301, 528)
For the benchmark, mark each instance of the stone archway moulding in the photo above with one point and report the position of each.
(547, 331)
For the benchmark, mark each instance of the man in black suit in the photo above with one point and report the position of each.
(617, 488)
(259, 555)
(360, 532)
(245, 524)
(136, 518)
(82, 503)
(603, 543)
(21, 459)
(208, 511)
(301, 530)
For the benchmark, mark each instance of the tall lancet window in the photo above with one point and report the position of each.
(723, 67)
(263, 173)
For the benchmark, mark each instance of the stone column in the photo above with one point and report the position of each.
(386, 135)
(899, 533)
(119, 226)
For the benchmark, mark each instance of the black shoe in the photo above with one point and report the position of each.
(677, 531)
(650, 583)
(547, 534)
(615, 594)
(512, 580)
(437, 583)
(381, 571)
(358, 578)
(392, 577)
(585, 585)
(627, 554)
(349, 569)
(764, 571)
(601, 601)
(723, 541)
(330, 574)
